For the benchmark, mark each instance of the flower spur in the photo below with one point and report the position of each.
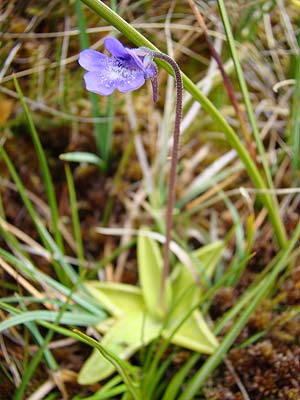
(126, 70)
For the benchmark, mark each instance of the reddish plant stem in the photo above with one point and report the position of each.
(227, 83)
(174, 161)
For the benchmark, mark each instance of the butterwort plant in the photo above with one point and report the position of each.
(126, 70)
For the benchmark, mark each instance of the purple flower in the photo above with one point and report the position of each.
(126, 70)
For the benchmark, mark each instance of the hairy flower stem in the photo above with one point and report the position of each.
(174, 161)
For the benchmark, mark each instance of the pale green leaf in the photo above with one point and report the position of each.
(125, 370)
(123, 339)
(117, 298)
(209, 256)
(194, 334)
(82, 157)
(186, 286)
(68, 318)
(186, 290)
(150, 265)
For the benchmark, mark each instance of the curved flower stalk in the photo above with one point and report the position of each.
(127, 70)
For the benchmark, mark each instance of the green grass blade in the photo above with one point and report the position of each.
(202, 187)
(68, 318)
(61, 267)
(295, 128)
(107, 391)
(9, 238)
(34, 331)
(245, 299)
(132, 34)
(13, 242)
(83, 157)
(57, 328)
(111, 257)
(120, 365)
(154, 378)
(102, 130)
(75, 217)
(247, 296)
(84, 301)
(243, 250)
(31, 299)
(45, 173)
(35, 361)
(112, 393)
(244, 89)
(117, 180)
(177, 381)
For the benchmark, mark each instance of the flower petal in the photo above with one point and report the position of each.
(115, 47)
(130, 83)
(137, 60)
(92, 60)
(97, 82)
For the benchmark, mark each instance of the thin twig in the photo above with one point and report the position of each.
(237, 379)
